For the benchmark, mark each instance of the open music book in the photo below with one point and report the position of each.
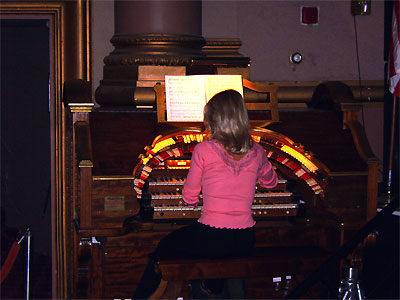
(186, 96)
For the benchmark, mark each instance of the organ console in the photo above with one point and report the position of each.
(127, 196)
(160, 176)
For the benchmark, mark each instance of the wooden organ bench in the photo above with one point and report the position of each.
(262, 263)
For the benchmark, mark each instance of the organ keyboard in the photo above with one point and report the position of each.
(165, 194)
(259, 210)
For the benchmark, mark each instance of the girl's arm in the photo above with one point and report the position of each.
(266, 175)
(192, 187)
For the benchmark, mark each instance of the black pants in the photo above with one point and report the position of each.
(197, 240)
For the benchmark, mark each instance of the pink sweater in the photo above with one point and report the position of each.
(227, 185)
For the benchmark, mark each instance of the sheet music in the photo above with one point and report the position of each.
(186, 96)
(218, 83)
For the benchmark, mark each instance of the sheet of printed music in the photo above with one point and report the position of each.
(186, 96)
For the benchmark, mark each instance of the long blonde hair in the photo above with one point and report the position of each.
(226, 117)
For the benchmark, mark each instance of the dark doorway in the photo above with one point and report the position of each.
(26, 154)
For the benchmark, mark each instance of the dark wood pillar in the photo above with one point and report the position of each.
(157, 38)
(152, 39)
(158, 16)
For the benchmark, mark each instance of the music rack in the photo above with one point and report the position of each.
(258, 96)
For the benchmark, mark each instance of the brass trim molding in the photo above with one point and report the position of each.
(85, 164)
(81, 107)
(117, 177)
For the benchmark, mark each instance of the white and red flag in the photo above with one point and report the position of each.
(394, 59)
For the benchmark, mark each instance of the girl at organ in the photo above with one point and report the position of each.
(225, 169)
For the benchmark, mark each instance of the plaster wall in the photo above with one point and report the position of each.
(271, 31)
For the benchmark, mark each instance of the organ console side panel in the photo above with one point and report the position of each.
(365, 151)
(129, 171)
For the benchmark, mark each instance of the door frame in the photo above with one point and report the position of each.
(70, 58)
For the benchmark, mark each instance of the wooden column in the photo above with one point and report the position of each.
(152, 39)
(157, 16)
